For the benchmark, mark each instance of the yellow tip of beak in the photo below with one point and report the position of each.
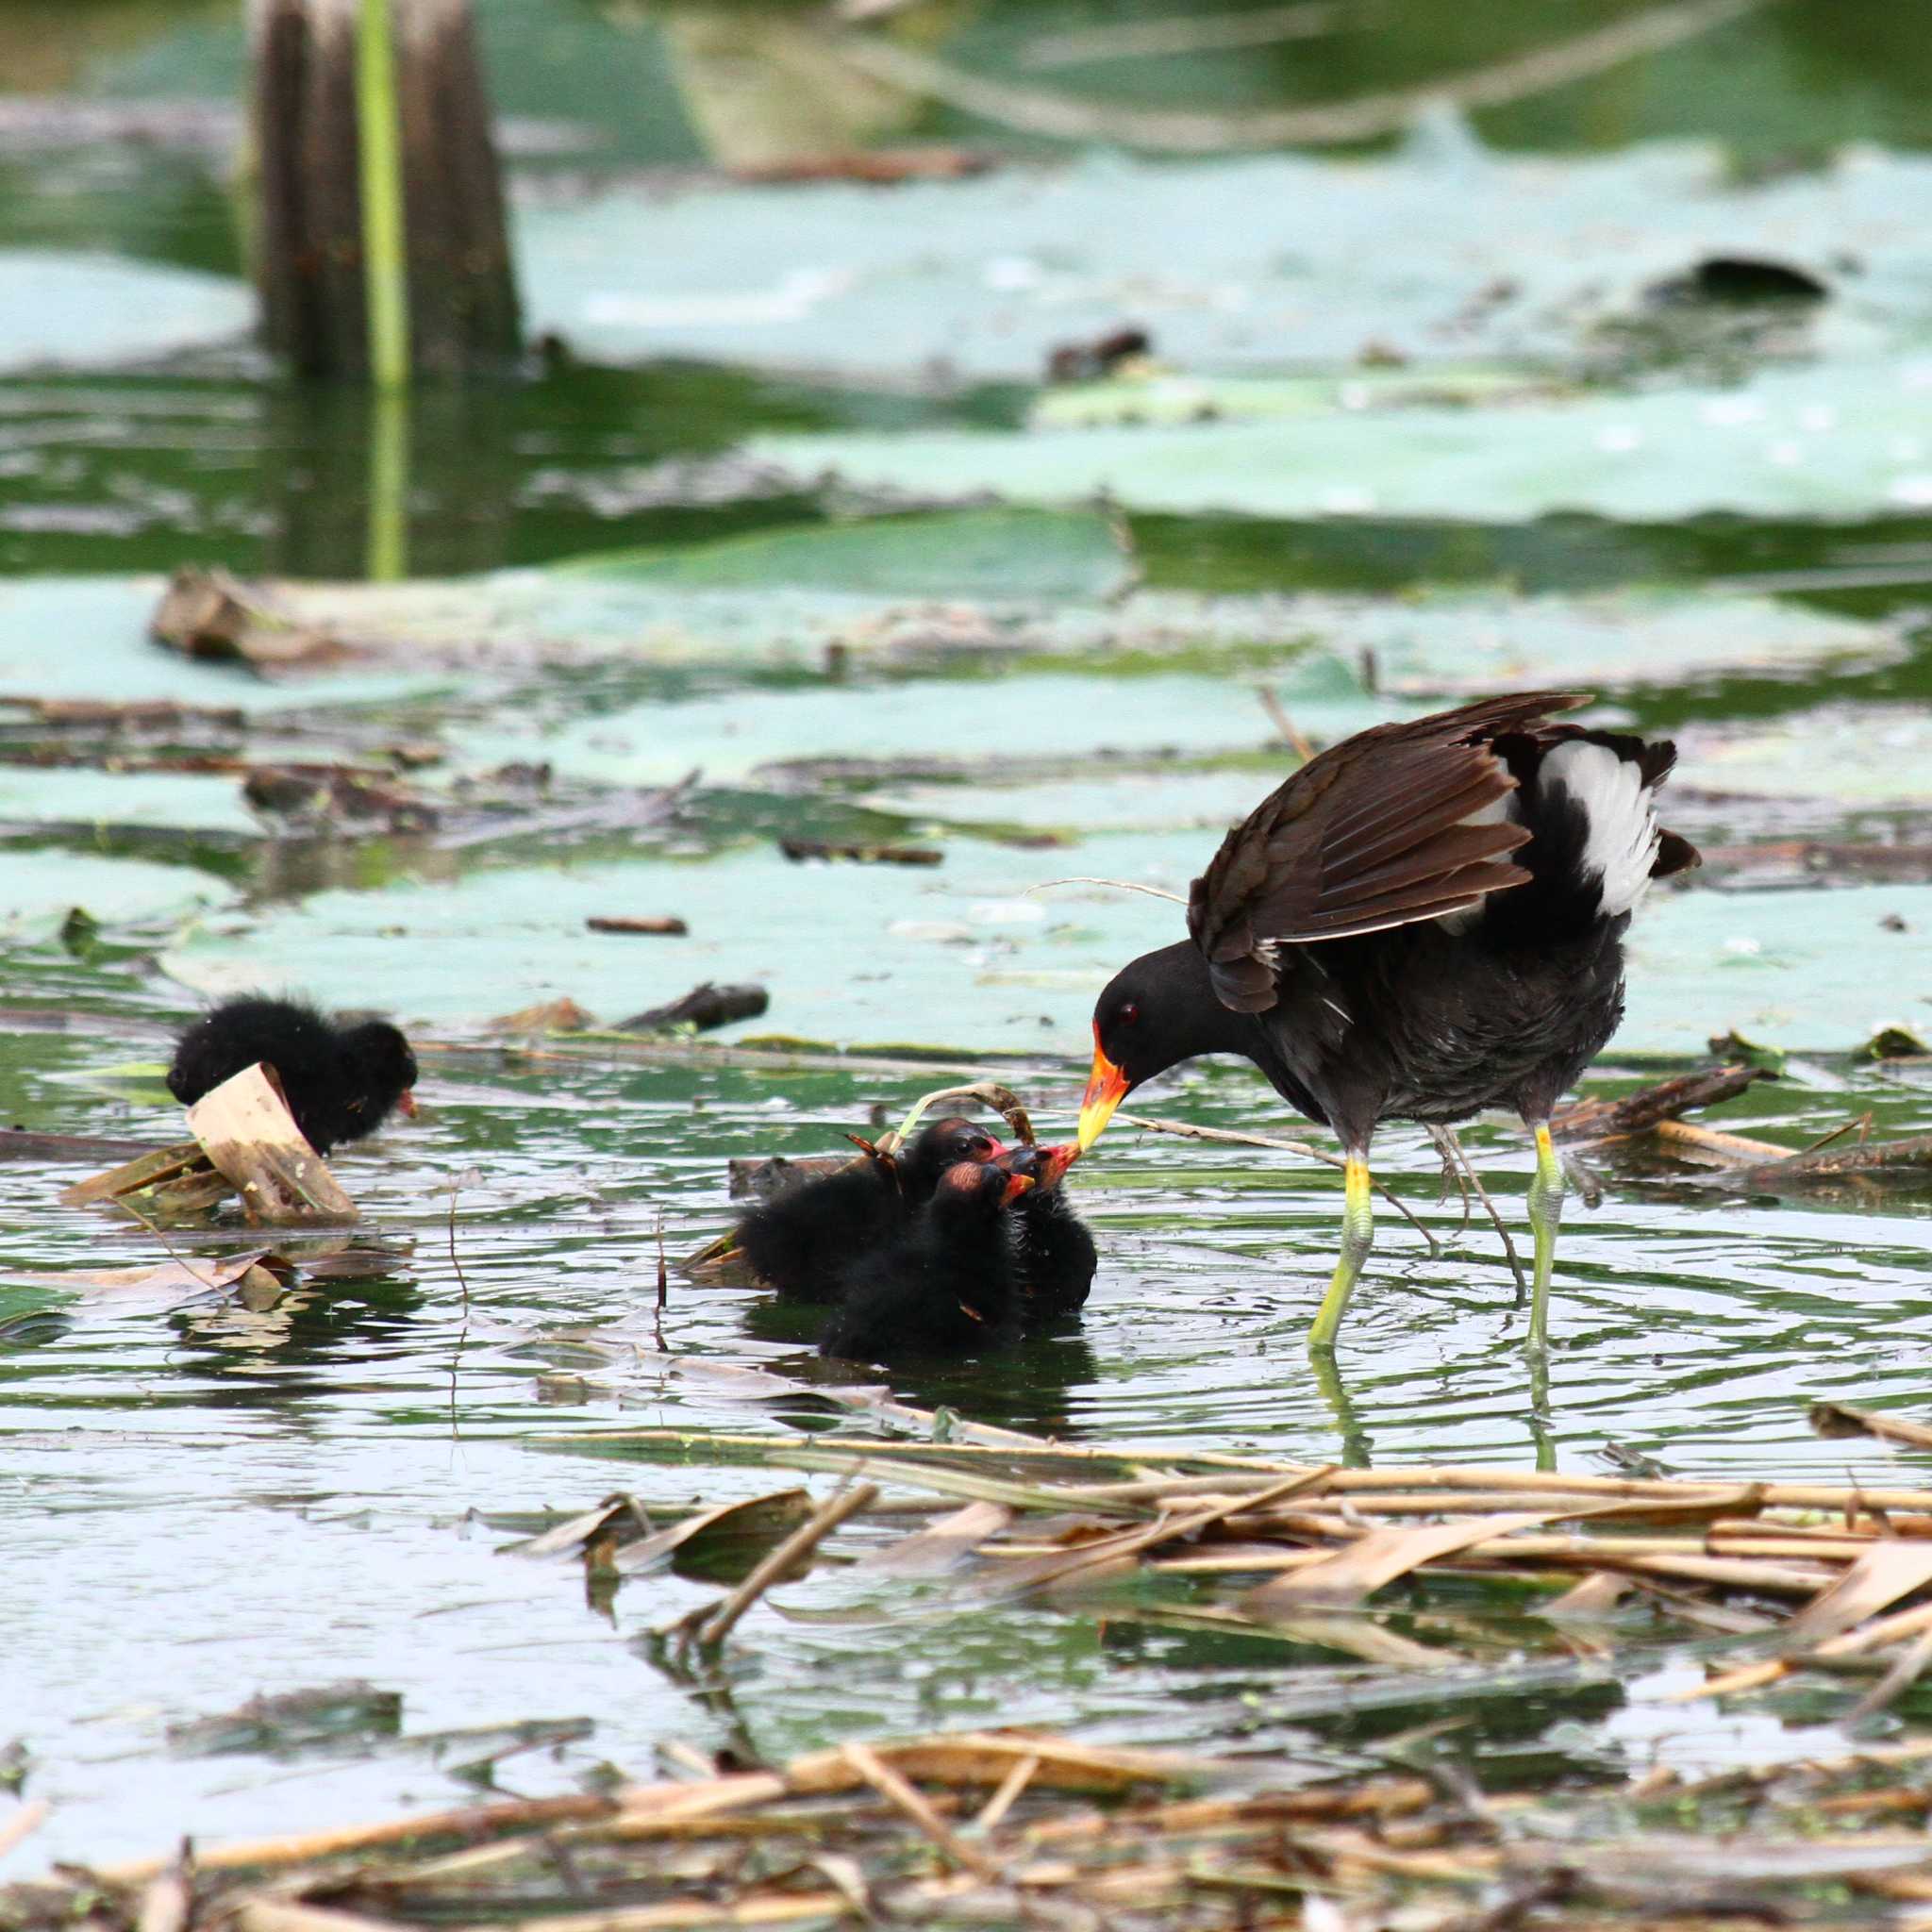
(1107, 1087)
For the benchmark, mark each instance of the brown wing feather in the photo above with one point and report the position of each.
(1372, 833)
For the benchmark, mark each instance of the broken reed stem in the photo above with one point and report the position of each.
(1733, 1147)
(777, 1563)
(896, 1790)
(465, 1822)
(28, 1819)
(1002, 1800)
(1904, 1673)
(842, 1454)
(1186, 1130)
(1003, 1101)
(1284, 725)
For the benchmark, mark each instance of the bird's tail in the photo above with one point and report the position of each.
(1590, 800)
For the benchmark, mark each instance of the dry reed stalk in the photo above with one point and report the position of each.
(302, 1848)
(780, 1563)
(1903, 1674)
(1003, 1799)
(1168, 1529)
(23, 1825)
(896, 1790)
(1841, 1419)
(1734, 1148)
(290, 1915)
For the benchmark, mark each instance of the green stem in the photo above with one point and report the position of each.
(388, 485)
(385, 263)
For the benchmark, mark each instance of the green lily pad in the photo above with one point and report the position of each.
(1816, 971)
(1244, 263)
(626, 609)
(732, 735)
(956, 955)
(997, 554)
(1163, 396)
(1129, 801)
(963, 956)
(182, 800)
(1843, 441)
(69, 310)
(1458, 644)
(1868, 756)
(39, 890)
(86, 638)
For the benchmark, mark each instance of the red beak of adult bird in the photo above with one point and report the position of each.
(1107, 1087)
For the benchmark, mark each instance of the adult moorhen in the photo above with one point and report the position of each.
(1054, 1252)
(342, 1082)
(802, 1242)
(1425, 920)
(948, 1286)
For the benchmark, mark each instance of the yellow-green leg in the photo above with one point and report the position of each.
(1357, 1232)
(1545, 1215)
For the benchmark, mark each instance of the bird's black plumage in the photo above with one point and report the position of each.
(341, 1081)
(1052, 1248)
(946, 1286)
(801, 1243)
(1425, 920)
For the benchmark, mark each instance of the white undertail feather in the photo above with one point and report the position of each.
(1498, 811)
(1622, 844)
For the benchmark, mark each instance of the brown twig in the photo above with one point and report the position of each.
(1068, 117)
(900, 1792)
(1284, 725)
(1186, 1130)
(1452, 1150)
(780, 1562)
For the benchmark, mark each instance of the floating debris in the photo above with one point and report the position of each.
(246, 1144)
(1819, 1569)
(662, 925)
(209, 613)
(1016, 1827)
(801, 849)
(701, 1008)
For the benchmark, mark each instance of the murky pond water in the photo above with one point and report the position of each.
(203, 1501)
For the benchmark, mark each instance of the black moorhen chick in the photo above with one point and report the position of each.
(948, 1286)
(342, 1082)
(1425, 920)
(1054, 1252)
(801, 1243)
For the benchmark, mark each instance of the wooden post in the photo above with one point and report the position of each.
(311, 261)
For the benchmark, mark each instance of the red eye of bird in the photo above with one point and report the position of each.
(1129, 1013)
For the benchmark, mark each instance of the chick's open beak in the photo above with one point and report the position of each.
(406, 1103)
(1107, 1087)
(1054, 1162)
(1016, 1185)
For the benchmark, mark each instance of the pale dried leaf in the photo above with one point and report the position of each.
(1886, 1572)
(937, 1548)
(1382, 1555)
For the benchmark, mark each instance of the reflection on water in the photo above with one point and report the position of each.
(192, 1488)
(201, 1504)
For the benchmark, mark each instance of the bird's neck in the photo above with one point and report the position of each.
(1201, 1023)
